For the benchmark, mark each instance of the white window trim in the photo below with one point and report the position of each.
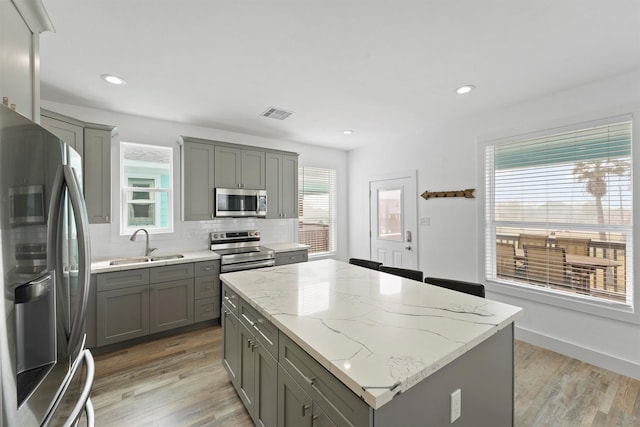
(125, 230)
(608, 309)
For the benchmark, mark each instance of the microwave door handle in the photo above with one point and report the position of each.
(84, 272)
(257, 202)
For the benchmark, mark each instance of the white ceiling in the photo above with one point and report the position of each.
(386, 69)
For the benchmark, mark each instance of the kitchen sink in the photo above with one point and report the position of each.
(166, 257)
(124, 261)
(140, 260)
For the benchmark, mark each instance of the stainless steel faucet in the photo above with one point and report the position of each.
(147, 250)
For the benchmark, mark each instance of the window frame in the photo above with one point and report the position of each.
(332, 207)
(626, 312)
(125, 229)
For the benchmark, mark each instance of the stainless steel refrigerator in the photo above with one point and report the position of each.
(46, 372)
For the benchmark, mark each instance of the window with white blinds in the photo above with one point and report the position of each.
(317, 209)
(559, 211)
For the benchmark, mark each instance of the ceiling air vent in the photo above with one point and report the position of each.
(276, 113)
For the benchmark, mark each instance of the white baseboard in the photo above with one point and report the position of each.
(602, 360)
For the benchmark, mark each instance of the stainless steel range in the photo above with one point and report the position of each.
(241, 250)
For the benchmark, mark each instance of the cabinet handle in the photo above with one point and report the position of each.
(304, 409)
(314, 418)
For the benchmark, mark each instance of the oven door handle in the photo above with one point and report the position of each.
(227, 268)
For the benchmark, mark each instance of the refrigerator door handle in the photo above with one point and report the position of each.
(90, 413)
(84, 401)
(84, 257)
(54, 218)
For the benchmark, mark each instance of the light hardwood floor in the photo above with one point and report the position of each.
(180, 381)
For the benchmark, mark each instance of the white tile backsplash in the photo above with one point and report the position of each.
(107, 243)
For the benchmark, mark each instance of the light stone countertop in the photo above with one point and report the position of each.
(285, 247)
(189, 256)
(378, 333)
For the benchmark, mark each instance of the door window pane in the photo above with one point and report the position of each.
(390, 215)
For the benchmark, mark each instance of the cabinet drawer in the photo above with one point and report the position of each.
(260, 327)
(122, 279)
(168, 273)
(207, 268)
(230, 299)
(292, 257)
(206, 309)
(340, 404)
(207, 286)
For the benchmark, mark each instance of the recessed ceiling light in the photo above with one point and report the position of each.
(113, 79)
(465, 89)
(347, 132)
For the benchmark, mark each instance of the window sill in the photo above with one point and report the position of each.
(584, 304)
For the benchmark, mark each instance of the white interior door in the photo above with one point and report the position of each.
(393, 225)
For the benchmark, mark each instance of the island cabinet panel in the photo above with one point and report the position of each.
(231, 344)
(339, 403)
(264, 331)
(485, 378)
(257, 378)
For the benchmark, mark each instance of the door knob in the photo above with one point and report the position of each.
(408, 248)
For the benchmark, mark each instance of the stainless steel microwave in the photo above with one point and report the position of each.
(239, 202)
(27, 205)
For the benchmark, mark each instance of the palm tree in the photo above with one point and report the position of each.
(594, 173)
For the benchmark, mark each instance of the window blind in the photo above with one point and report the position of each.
(555, 198)
(317, 209)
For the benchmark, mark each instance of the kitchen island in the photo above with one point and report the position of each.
(326, 340)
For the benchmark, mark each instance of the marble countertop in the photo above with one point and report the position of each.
(379, 334)
(285, 247)
(189, 256)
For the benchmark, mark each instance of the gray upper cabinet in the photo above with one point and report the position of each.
(93, 143)
(239, 168)
(97, 173)
(71, 132)
(282, 185)
(197, 181)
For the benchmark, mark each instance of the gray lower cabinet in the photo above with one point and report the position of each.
(292, 257)
(171, 305)
(207, 290)
(134, 303)
(123, 314)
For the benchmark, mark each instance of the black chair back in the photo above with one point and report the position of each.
(373, 265)
(471, 288)
(403, 272)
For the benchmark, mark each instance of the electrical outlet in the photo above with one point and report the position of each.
(456, 404)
